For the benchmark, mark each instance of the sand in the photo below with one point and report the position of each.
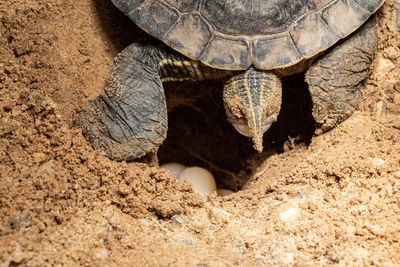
(331, 199)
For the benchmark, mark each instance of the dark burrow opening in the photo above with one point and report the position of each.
(200, 135)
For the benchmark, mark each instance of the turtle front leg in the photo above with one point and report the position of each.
(335, 80)
(129, 119)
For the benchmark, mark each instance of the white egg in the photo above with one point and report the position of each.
(224, 192)
(202, 180)
(173, 168)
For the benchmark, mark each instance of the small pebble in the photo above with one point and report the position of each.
(389, 190)
(202, 180)
(290, 213)
(101, 253)
(381, 108)
(173, 168)
(376, 230)
(288, 259)
(377, 162)
(41, 227)
(180, 219)
(145, 222)
(220, 213)
(384, 65)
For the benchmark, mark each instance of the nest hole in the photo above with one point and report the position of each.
(200, 135)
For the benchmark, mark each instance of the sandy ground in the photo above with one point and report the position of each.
(331, 200)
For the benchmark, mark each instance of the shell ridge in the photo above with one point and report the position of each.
(329, 28)
(212, 30)
(173, 26)
(139, 6)
(206, 47)
(295, 46)
(176, 22)
(200, 6)
(364, 9)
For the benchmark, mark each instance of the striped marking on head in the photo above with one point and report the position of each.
(253, 97)
(254, 91)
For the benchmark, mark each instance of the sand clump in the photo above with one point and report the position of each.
(334, 201)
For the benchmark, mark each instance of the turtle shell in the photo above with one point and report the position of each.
(237, 34)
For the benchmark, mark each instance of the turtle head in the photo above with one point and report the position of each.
(252, 103)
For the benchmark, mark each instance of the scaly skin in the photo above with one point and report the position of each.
(336, 79)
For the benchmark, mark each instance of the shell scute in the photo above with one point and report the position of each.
(235, 34)
(155, 17)
(181, 35)
(274, 52)
(227, 53)
(351, 15)
(311, 35)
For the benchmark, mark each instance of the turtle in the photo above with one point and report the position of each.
(247, 44)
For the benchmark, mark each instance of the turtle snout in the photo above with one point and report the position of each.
(242, 127)
(252, 103)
